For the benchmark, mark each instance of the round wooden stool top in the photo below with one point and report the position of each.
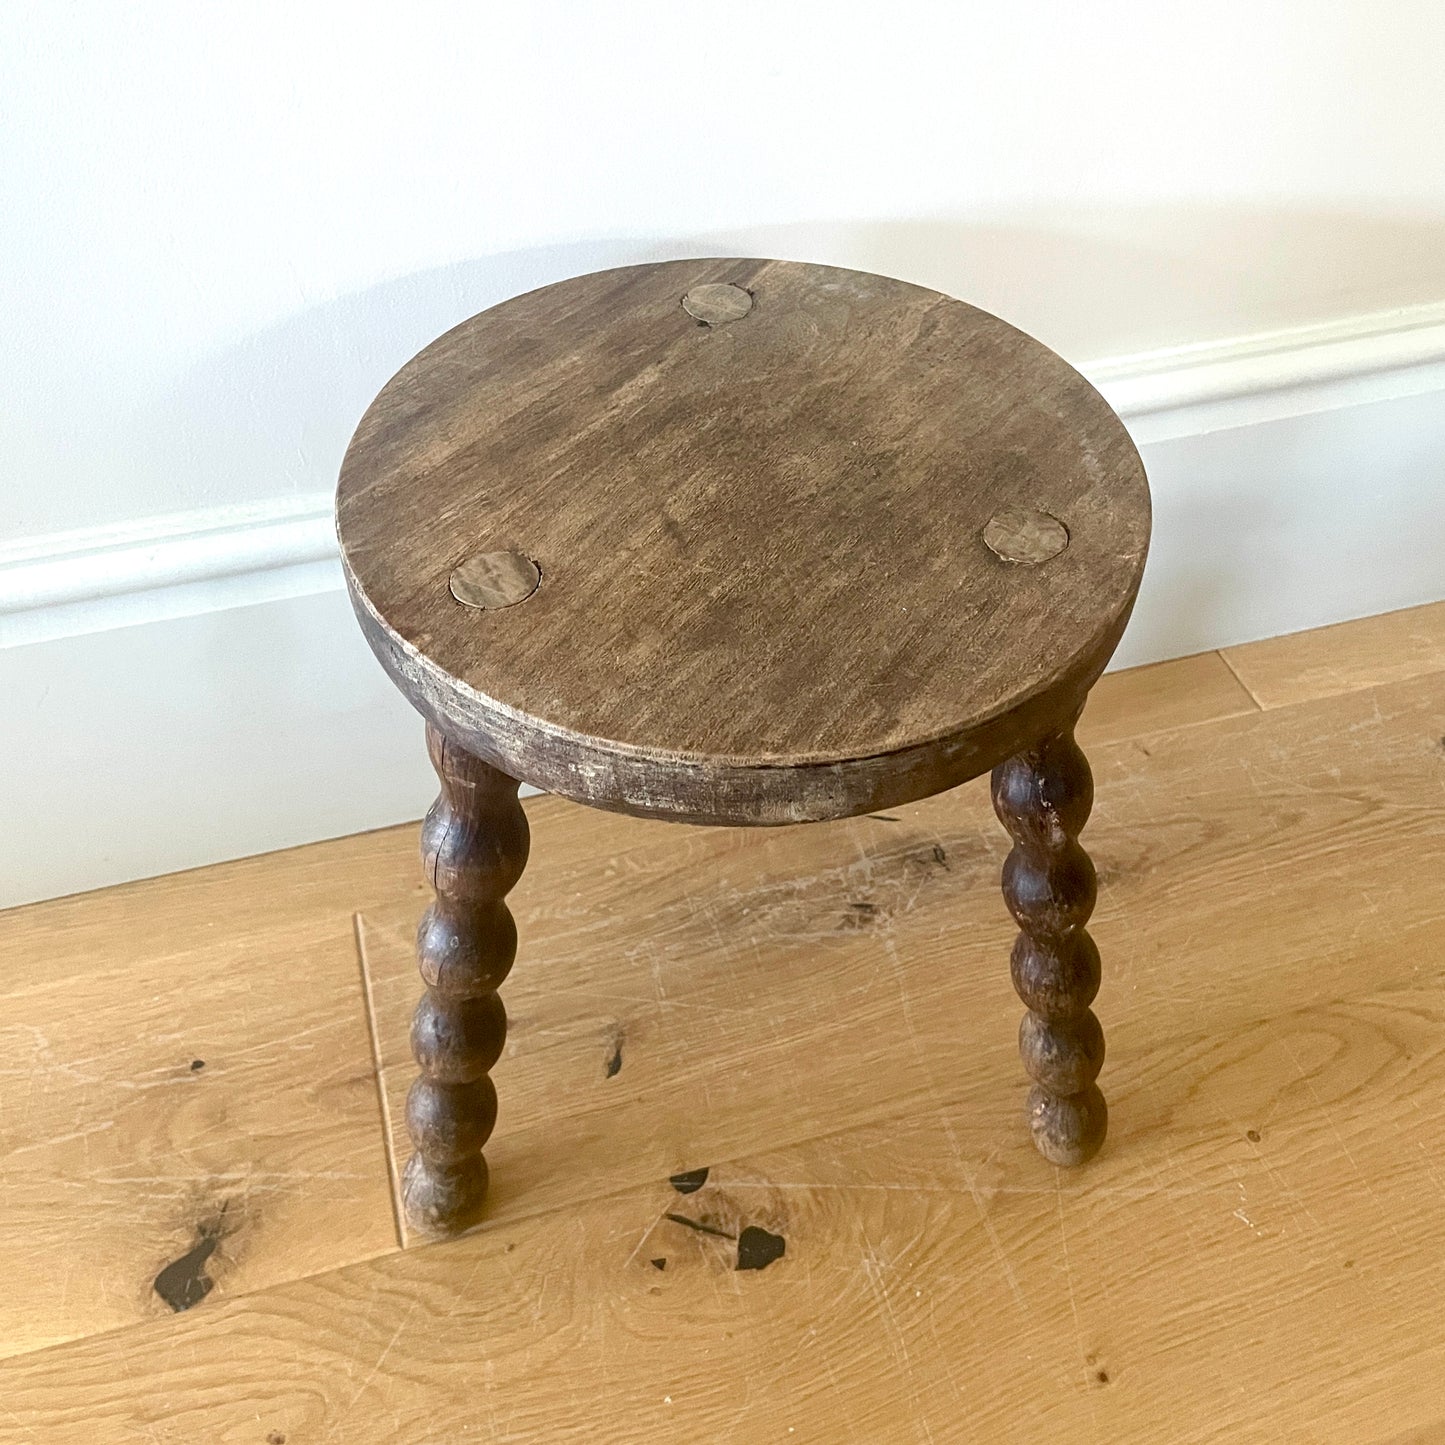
(741, 541)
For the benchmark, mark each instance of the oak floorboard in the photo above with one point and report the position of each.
(1259, 1264)
(1368, 652)
(1253, 1256)
(199, 1095)
(1183, 692)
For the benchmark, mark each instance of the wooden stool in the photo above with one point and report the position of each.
(739, 542)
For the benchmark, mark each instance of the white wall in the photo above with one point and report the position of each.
(222, 227)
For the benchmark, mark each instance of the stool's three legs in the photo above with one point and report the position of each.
(474, 847)
(1043, 796)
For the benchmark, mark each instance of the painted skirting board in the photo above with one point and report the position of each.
(192, 688)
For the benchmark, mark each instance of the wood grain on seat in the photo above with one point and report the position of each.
(766, 594)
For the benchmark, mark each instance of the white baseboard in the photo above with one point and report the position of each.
(1203, 387)
(68, 584)
(191, 688)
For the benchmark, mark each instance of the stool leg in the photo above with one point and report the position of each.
(1042, 795)
(474, 846)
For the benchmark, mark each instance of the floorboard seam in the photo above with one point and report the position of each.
(1234, 672)
(393, 1178)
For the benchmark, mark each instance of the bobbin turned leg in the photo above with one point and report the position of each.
(1043, 796)
(474, 846)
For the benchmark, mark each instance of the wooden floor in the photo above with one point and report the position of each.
(203, 1076)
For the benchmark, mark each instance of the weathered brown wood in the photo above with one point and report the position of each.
(1042, 796)
(766, 592)
(474, 848)
(855, 544)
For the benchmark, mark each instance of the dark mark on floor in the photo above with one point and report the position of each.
(614, 1064)
(1252, 1135)
(197, 1065)
(659, 1263)
(940, 857)
(888, 818)
(1102, 1376)
(276, 1438)
(690, 1181)
(698, 1225)
(184, 1283)
(758, 1248)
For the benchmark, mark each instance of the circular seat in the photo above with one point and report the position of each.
(741, 541)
